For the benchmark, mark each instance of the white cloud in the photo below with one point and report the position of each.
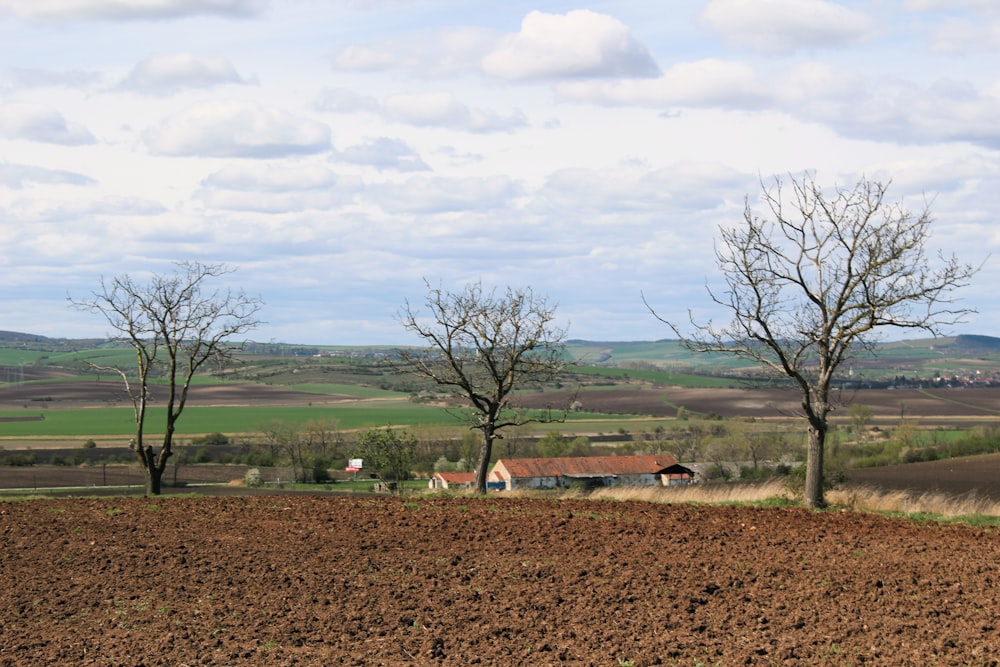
(813, 83)
(268, 188)
(432, 194)
(422, 109)
(25, 78)
(684, 186)
(986, 7)
(363, 57)
(961, 35)
(273, 203)
(345, 100)
(36, 210)
(580, 43)
(853, 104)
(947, 110)
(37, 123)
(271, 178)
(430, 54)
(87, 10)
(701, 83)
(383, 153)
(786, 26)
(234, 129)
(169, 73)
(441, 109)
(17, 176)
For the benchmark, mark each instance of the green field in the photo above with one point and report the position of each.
(197, 420)
(383, 392)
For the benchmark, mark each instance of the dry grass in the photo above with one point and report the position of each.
(776, 491)
(856, 498)
(693, 493)
(867, 499)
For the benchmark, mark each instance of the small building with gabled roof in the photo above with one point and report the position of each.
(582, 471)
(453, 480)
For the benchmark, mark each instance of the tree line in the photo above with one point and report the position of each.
(807, 282)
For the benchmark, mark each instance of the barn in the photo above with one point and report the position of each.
(677, 475)
(582, 471)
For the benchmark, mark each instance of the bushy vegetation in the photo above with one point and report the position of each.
(909, 444)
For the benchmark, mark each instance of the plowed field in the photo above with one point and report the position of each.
(307, 580)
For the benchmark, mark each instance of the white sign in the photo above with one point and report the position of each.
(355, 463)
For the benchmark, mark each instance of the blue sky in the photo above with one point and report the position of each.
(340, 153)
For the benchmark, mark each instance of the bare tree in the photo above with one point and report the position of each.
(813, 282)
(861, 416)
(175, 324)
(483, 346)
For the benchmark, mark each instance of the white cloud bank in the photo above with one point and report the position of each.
(33, 122)
(170, 73)
(117, 10)
(781, 27)
(580, 43)
(235, 129)
(339, 153)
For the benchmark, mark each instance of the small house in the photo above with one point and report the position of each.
(453, 480)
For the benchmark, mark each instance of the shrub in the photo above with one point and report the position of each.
(253, 477)
(211, 439)
(321, 472)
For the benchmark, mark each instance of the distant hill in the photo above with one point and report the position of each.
(974, 343)
(966, 354)
(17, 337)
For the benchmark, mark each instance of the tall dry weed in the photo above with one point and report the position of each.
(692, 493)
(857, 498)
(868, 499)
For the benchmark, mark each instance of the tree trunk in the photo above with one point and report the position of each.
(814, 466)
(153, 478)
(153, 472)
(484, 460)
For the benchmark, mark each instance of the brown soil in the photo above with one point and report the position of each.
(306, 580)
(98, 476)
(959, 405)
(889, 405)
(966, 476)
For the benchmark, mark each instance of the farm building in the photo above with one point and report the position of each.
(584, 471)
(453, 480)
(677, 475)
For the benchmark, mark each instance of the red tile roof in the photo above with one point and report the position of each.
(457, 477)
(587, 465)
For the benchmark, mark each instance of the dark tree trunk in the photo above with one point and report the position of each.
(484, 460)
(152, 471)
(154, 476)
(814, 466)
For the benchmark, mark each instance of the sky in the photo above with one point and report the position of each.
(341, 155)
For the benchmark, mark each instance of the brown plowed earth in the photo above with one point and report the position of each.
(959, 405)
(308, 580)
